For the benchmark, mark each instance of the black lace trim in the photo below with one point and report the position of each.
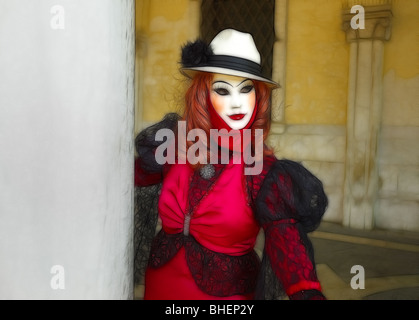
(215, 273)
(164, 247)
(199, 188)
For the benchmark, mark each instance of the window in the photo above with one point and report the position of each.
(252, 16)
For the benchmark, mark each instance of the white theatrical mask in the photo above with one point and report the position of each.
(234, 99)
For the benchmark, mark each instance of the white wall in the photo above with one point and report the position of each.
(66, 159)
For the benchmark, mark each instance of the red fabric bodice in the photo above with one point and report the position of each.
(222, 221)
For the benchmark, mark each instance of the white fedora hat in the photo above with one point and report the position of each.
(231, 52)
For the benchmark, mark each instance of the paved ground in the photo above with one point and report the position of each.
(389, 260)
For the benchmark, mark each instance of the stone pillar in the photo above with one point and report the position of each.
(364, 113)
(66, 160)
(279, 64)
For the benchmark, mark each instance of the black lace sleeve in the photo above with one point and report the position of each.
(146, 144)
(290, 191)
(290, 203)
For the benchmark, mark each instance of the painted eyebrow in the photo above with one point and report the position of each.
(244, 81)
(230, 83)
(220, 81)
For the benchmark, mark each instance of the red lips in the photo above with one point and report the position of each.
(237, 116)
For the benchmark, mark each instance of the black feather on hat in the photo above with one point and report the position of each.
(196, 54)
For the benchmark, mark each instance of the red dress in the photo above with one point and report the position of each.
(210, 255)
(222, 222)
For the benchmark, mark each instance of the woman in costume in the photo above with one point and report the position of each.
(211, 209)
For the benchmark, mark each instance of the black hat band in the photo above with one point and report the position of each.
(235, 63)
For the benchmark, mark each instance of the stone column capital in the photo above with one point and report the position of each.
(378, 22)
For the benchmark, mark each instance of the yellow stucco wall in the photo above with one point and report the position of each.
(402, 51)
(164, 25)
(317, 64)
(401, 66)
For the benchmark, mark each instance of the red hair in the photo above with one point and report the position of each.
(197, 116)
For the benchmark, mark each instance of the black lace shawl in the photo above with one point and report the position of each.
(146, 198)
(286, 196)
